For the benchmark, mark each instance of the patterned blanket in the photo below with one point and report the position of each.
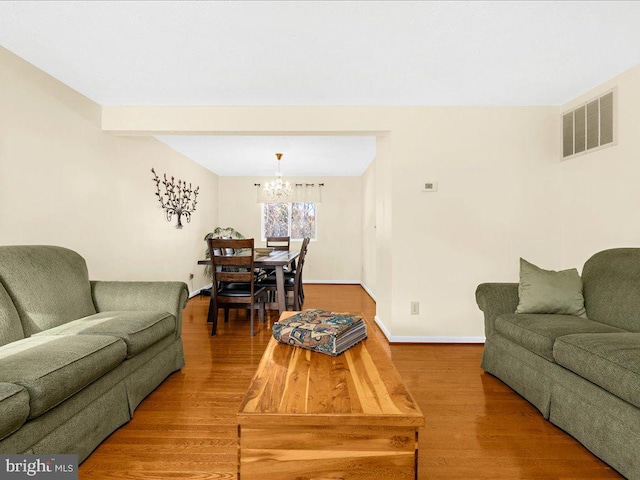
(321, 331)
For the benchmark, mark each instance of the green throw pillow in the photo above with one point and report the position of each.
(548, 291)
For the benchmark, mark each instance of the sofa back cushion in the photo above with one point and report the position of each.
(611, 286)
(48, 285)
(10, 326)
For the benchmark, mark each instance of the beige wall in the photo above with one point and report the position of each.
(63, 181)
(601, 190)
(498, 196)
(335, 256)
(369, 228)
(385, 283)
(495, 202)
(503, 193)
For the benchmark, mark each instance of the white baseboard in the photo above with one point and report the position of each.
(382, 327)
(197, 292)
(334, 282)
(424, 339)
(432, 339)
(369, 292)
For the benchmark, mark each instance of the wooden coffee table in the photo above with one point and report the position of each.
(310, 416)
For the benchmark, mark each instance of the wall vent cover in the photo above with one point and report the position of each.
(590, 126)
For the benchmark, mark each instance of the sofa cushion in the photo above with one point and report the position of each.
(537, 332)
(139, 330)
(54, 368)
(14, 405)
(10, 326)
(49, 285)
(610, 360)
(611, 288)
(548, 291)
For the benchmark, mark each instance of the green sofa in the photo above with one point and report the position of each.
(582, 374)
(77, 357)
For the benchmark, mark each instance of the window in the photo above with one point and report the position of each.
(295, 220)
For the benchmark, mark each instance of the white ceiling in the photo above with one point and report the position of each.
(322, 53)
(326, 53)
(253, 156)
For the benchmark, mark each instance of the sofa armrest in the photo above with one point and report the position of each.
(156, 296)
(494, 299)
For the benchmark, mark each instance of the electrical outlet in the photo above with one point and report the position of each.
(191, 276)
(415, 308)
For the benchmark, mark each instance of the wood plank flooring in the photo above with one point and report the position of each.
(476, 427)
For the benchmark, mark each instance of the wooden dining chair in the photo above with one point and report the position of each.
(292, 283)
(233, 281)
(279, 243)
(303, 253)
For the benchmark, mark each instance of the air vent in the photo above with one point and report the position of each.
(589, 126)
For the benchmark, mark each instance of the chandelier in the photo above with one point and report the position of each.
(277, 190)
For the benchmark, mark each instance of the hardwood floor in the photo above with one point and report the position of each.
(476, 427)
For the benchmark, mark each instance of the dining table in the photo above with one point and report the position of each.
(276, 260)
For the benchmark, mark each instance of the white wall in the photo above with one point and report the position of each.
(336, 254)
(497, 193)
(368, 218)
(601, 190)
(63, 181)
(503, 193)
(498, 198)
(385, 283)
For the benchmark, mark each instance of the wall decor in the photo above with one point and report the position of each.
(177, 199)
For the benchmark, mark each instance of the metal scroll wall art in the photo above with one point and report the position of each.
(177, 199)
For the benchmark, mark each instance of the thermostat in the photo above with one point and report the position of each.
(430, 187)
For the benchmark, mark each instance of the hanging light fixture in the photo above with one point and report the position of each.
(277, 190)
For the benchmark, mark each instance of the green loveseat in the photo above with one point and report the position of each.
(77, 357)
(583, 375)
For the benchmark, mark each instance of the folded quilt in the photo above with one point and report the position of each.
(322, 331)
